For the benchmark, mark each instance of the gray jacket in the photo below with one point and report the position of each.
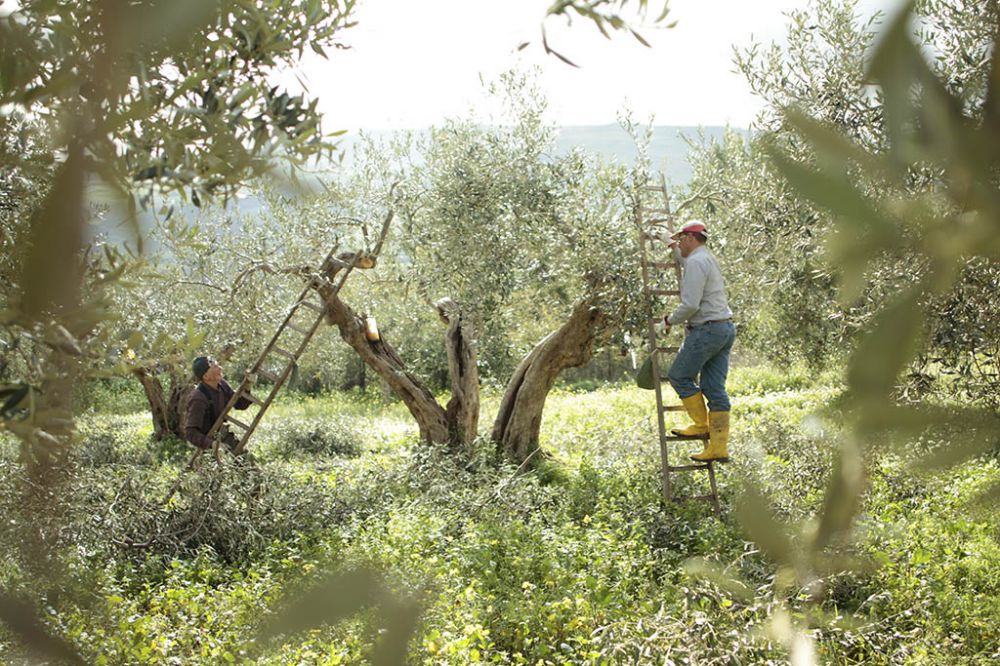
(703, 291)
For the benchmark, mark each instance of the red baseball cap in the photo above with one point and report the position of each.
(691, 227)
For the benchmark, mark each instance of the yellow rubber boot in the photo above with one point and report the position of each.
(695, 406)
(717, 448)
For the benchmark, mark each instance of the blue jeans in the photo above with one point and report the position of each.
(705, 350)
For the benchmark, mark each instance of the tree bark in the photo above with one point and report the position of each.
(462, 411)
(177, 403)
(519, 418)
(379, 355)
(458, 423)
(157, 402)
(167, 409)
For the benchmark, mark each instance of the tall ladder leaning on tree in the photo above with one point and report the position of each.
(286, 346)
(661, 277)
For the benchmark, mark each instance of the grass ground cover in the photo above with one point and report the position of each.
(577, 562)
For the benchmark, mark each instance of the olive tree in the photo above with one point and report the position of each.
(141, 99)
(147, 99)
(787, 288)
(784, 290)
(494, 232)
(926, 196)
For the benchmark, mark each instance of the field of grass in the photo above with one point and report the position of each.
(576, 562)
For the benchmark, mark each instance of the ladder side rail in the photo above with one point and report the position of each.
(220, 420)
(276, 387)
(288, 368)
(244, 386)
(263, 407)
(245, 437)
(288, 318)
(657, 382)
(670, 227)
(336, 290)
(654, 356)
(307, 336)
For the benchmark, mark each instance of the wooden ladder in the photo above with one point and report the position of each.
(656, 225)
(278, 358)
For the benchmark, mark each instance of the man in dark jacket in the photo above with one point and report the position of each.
(208, 400)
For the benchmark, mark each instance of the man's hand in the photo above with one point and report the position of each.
(666, 323)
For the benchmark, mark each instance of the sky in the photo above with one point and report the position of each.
(414, 63)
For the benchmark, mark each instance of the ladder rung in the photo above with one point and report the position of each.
(268, 376)
(657, 220)
(648, 236)
(653, 188)
(238, 423)
(297, 329)
(678, 438)
(284, 352)
(665, 211)
(251, 398)
(710, 498)
(316, 282)
(668, 350)
(674, 408)
(313, 306)
(662, 264)
(687, 468)
(665, 292)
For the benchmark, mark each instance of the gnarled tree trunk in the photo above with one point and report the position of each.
(166, 408)
(520, 415)
(157, 402)
(455, 425)
(382, 358)
(462, 412)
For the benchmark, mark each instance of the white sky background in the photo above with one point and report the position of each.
(413, 63)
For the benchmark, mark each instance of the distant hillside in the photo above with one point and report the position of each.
(668, 150)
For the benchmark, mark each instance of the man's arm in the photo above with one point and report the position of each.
(242, 402)
(678, 257)
(675, 250)
(692, 289)
(192, 423)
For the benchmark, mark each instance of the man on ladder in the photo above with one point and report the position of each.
(209, 399)
(704, 309)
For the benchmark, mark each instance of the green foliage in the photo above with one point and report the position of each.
(172, 97)
(513, 234)
(150, 100)
(582, 567)
(909, 208)
(768, 237)
(181, 89)
(336, 436)
(941, 229)
(235, 511)
(485, 215)
(606, 15)
(888, 191)
(788, 282)
(114, 395)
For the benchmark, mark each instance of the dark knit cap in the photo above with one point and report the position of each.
(201, 365)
